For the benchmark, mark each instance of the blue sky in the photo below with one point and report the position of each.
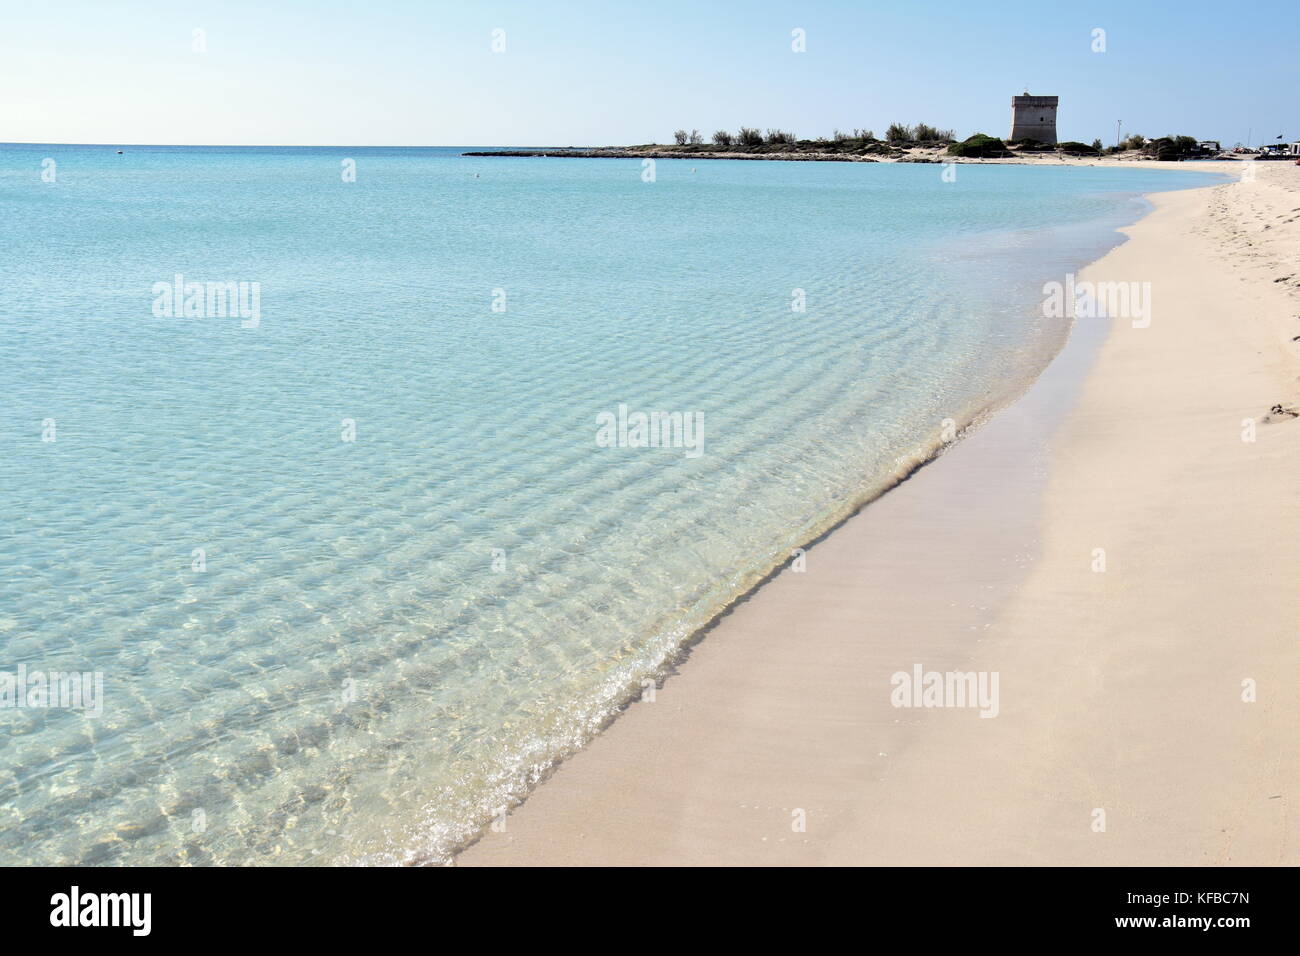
(402, 72)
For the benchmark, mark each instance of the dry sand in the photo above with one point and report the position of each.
(1120, 690)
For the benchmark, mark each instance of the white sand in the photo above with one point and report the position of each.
(1119, 691)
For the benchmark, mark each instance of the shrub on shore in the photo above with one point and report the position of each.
(1172, 147)
(978, 146)
(925, 133)
(860, 141)
(1136, 141)
(898, 133)
(1162, 147)
(1082, 149)
(920, 133)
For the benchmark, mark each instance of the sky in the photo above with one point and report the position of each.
(570, 72)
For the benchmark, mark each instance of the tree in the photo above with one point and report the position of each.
(898, 133)
(696, 138)
(926, 133)
(750, 136)
(1172, 147)
(681, 136)
(1096, 144)
(723, 138)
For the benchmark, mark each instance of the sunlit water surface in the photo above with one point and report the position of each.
(383, 641)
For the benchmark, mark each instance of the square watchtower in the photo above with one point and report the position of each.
(1033, 117)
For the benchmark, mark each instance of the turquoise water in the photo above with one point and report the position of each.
(337, 651)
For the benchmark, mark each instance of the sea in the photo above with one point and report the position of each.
(345, 491)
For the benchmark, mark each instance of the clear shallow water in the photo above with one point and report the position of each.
(353, 678)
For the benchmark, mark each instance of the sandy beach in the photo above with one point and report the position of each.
(1118, 547)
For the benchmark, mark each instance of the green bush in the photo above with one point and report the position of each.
(898, 133)
(925, 133)
(978, 146)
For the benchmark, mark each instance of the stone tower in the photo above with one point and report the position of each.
(1033, 117)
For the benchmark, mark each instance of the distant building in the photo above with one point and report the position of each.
(1210, 146)
(1293, 149)
(1033, 117)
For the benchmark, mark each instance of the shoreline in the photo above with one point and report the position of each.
(970, 417)
(783, 705)
(912, 154)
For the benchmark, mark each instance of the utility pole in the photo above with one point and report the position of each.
(1119, 137)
